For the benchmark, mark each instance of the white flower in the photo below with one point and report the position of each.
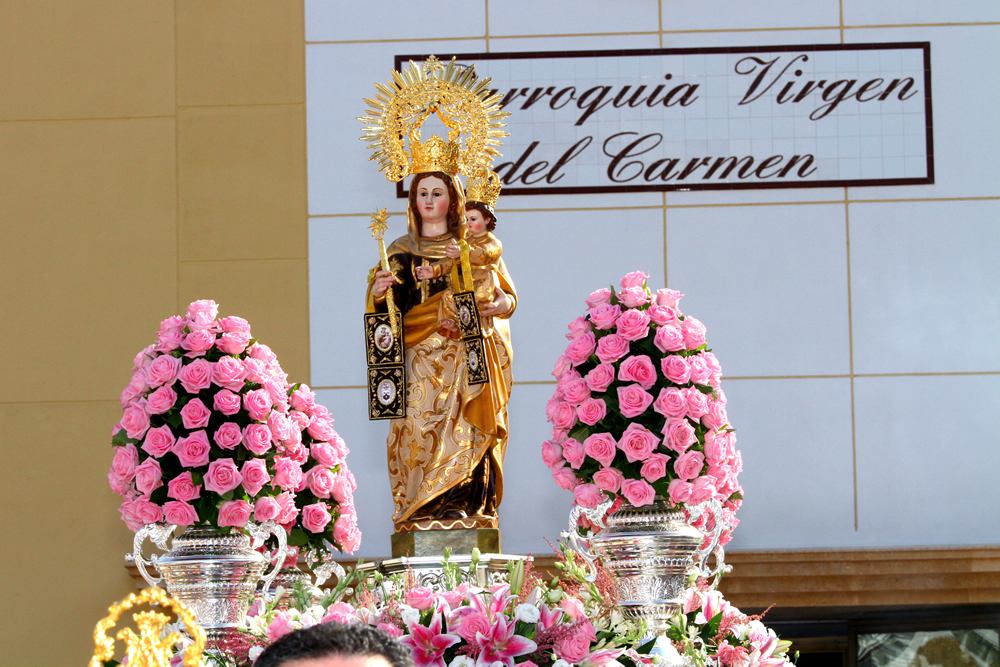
(255, 652)
(527, 612)
(665, 652)
(462, 661)
(410, 616)
(560, 663)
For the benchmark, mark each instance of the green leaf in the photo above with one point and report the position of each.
(174, 420)
(647, 647)
(712, 627)
(196, 477)
(298, 538)
(228, 495)
(120, 439)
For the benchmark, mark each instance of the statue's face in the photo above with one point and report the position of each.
(433, 200)
(475, 221)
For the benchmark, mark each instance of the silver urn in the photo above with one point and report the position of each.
(212, 571)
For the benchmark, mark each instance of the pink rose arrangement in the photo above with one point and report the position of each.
(638, 411)
(212, 433)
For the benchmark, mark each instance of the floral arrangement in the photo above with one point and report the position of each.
(213, 434)
(638, 411)
(569, 621)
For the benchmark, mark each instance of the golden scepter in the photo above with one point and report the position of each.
(378, 227)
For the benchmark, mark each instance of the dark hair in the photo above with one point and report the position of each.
(491, 220)
(335, 639)
(455, 218)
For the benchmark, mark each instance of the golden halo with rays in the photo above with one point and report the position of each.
(455, 94)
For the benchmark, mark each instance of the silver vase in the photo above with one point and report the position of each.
(651, 552)
(214, 572)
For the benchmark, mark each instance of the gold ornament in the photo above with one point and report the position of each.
(379, 225)
(462, 101)
(485, 189)
(148, 648)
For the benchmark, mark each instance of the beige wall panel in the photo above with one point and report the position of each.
(64, 561)
(272, 294)
(88, 258)
(242, 183)
(249, 52)
(85, 59)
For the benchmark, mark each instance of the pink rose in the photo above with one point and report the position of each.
(637, 442)
(638, 492)
(158, 441)
(694, 333)
(276, 390)
(234, 513)
(655, 467)
(633, 325)
(193, 450)
(390, 629)
(581, 348)
(421, 597)
(280, 626)
(136, 386)
(700, 372)
(679, 491)
(288, 509)
(638, 368)
(227, 402)
(196, 376)
(565, 478)
(714, 367)
(179, 513)
(228, 435)
(257, 438)
(303, 399)
(609, 479)
(591, 411)
(147, 512)
(573, 648)
(135, 421)
(551, 452)
(168, 341)
(342, 489)
(183, 488)
(689, 465)
(233, 343)
(262, 352)
(697, 402)
(320, 481)
(266, 508)
(148, 476)
(599, 298)
(257, 403)
(574, 452)
(233, 324)
(576, 391)
(671, 403)
(716, 417)
(563, 416)
(315, 517)
(198, 342)
(663, 316)
(255, 476)
(325, 454)
(679, 435)
(676, 368)
(346, 534)
(669, 338)
(287, 474)
(588, 495)
(633, 400)
(321, 429)
(195, 415)
(256, 370)
(281, 427)
(669, 298)
(163, 370)
(127, 512)
(633, 297)
(229, 373)
(578, 327)
(161, 400)
(601, 447)
(300, 419)
(563, 364)
(202, 313)
(124, 463)
(702, 489)
(634, 279)
(222, 476)
(600, 377)
(604, 316)
(612, 348)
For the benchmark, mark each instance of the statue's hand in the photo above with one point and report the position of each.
(452, 250)
(383, 281)
(424, 272)
(500, 305)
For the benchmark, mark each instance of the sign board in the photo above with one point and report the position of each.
(714, 118)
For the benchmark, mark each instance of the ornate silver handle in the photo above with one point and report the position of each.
(259, 533)
(581, 543)
(158, 533)
(719, 526)
(326, 568)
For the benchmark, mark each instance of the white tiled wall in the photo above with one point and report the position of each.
(859, 326)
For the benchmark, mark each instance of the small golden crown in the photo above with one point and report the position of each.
(485, 189)
(435, 154)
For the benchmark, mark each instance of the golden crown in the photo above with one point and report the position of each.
(463, 102)
(485, 189)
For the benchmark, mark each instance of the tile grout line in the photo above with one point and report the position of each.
(659, 8)
(666, 275)
(177, 173)
(850, 350)
(487, 5)
(841, 3)
(305, 175)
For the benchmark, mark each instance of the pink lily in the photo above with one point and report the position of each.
(601, 657)
(549, 617)
(496, 603)
(428, 644)
(502, 645)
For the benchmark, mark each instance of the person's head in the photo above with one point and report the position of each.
(479, 218)
(336, 645)
(433, 198)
